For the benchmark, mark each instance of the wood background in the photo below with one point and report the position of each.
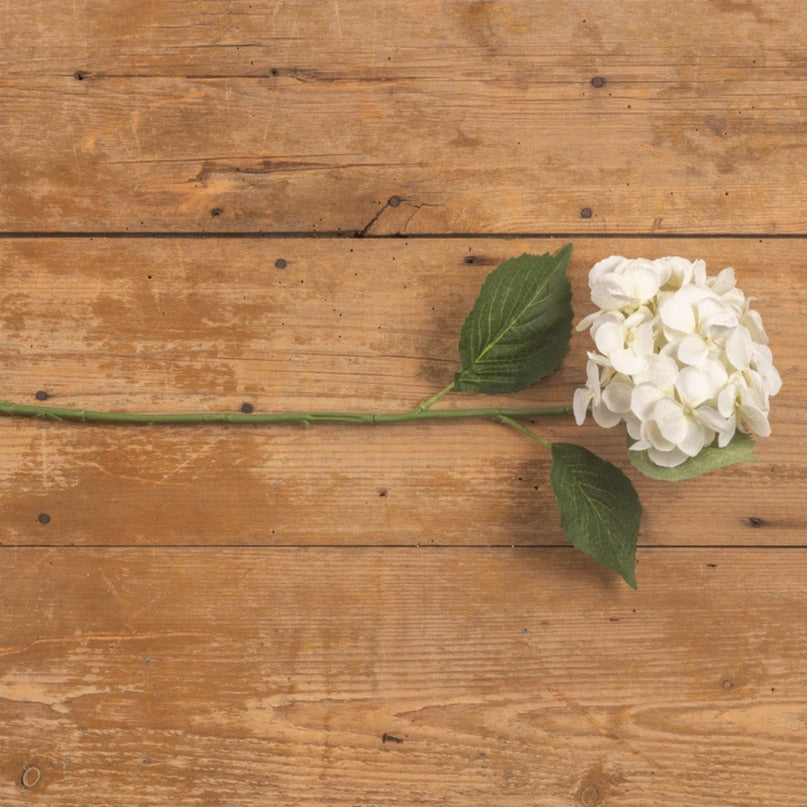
(292, 204)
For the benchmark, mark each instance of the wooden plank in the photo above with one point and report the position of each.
(184, 325)
(475, 117)
(247, 38)
(508, 677)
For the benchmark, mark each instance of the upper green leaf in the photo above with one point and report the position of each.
(599, 509)
(739, 449)
(519, 327)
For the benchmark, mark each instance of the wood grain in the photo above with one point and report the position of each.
(508, 677)
(184, 325)
(472, 116)
(357, 616)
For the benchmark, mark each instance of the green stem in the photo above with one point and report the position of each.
(508, 421)
(305, 418)
(428, 404)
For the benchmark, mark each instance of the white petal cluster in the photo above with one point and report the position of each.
(681, 357)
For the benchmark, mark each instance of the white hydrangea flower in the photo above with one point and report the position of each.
(682, 359)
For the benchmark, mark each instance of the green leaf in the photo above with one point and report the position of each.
(599, 509)
(520, 325)
(739, 449)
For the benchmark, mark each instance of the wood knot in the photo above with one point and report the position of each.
(31, 777)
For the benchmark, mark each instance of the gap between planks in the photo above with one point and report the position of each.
(320, 234)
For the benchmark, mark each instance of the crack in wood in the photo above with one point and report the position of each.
(212, 168)
(364, 230)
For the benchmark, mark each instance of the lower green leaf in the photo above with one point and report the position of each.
(599, 508)
(739, 449)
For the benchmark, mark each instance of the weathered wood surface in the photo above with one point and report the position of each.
(473, 116)
(226, 616)
(401, 676)
(189, 325)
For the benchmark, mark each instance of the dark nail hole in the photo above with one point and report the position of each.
(711, 565)
(471, 259)
(280, 263)
(394, 201)
(598, 81)
(756, 522)
(41, 395)
(382, 492)
(216, 211)
(585, 213)
(79, 75)
(727, 685)
(247, 408)
(274, 71)
(44, 518)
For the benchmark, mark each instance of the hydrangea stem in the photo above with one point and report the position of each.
(429, 403)
(258, 418)
(508, 421)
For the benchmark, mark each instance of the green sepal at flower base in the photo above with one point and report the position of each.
(739, 449)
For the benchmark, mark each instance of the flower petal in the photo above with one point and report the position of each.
(593, 378)
(643, 400)
(725, 435)
(609, 337)
(753, 321)
(617, 396)
(739, 347)
(604, 417)
(692, 350)
(667, 459)
(673, 271)
(580, 402)
(639, 445)
(711, 418)
(716, 373)
(677, 313)
(672, 421)
(651, 433)
(643, 338)
(694, 386)
(641, 280)
(627, 362)
(633, 425)
(589, 320)
(662, 371)
(695, 439)
(724, 282)
(605, 266)
(727, 400)
(771, 380)
(753, 419)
